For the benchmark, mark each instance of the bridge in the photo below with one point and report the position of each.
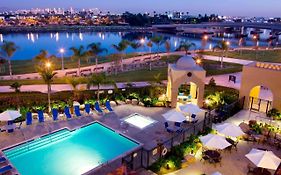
(270, 26)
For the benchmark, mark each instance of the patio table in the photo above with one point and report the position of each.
(212, 154)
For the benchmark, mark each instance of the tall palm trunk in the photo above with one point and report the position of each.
(96, 64)
(122, 63)
(222, 59)
(98, 95)
(150, 51)
(10, 66)
(49, 97)
(79, 67)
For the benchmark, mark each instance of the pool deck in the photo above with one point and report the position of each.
(148, 136)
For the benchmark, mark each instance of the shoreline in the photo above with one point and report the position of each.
(75, 28)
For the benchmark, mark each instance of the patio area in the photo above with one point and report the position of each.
(149, 136)
(231, 163)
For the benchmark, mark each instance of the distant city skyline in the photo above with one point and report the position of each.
(268, 8)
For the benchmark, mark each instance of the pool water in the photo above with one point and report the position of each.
(139, 121)
(69, 152)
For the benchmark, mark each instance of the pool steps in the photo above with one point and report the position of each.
(37, 143)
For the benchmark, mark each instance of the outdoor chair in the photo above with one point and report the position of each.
(178, 124)
(193, 116)
(250, 170)
(55, 114)
(3, 159)
(19, 126)
(77, 111)
(98, 108)
(194, 121)
(28, 118)
(88, 108)
(108, 106)
(67, 113)
(40, 116)
(169, 130)
(5, 169)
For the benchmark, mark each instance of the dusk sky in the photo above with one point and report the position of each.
(222, 7)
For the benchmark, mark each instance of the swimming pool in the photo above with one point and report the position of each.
(139, 120)
(68, 152)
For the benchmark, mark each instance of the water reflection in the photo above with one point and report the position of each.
(53, 41)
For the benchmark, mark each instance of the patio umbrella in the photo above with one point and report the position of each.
(264, 159)
(9, 115)
(229, 129)
(190, 108)
(174, 116)
(213, 141)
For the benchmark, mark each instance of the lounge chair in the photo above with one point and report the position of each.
(28, 118)
(40, 116)
(3, 159)
(5, 169)
(97, 108)
(108, 106)
(77, 111)
(55, 114)
(88, 108)
(67, 113)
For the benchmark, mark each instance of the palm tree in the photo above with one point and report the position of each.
(74, 82)
(135, 45)
(43, 57)
(121, 47)
(7, 51)
(78, 54)
(168, 47)
(47, 75)
(158, 40)
(15, 86)
(185, 46)
(149, 44)
(95, 49)
(222, 46)
(98, 80)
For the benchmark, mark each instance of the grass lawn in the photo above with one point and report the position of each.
(259, 55)
(29, 66)
(212, 68)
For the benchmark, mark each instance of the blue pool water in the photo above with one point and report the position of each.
(69, 152)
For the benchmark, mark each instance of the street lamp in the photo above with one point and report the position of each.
(142, 41)
(48, 65)
(198, 61)
(205, 37)
(62, 61)
(227, 43)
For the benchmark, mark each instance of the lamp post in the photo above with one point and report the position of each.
(142, 41)
(62, 59)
